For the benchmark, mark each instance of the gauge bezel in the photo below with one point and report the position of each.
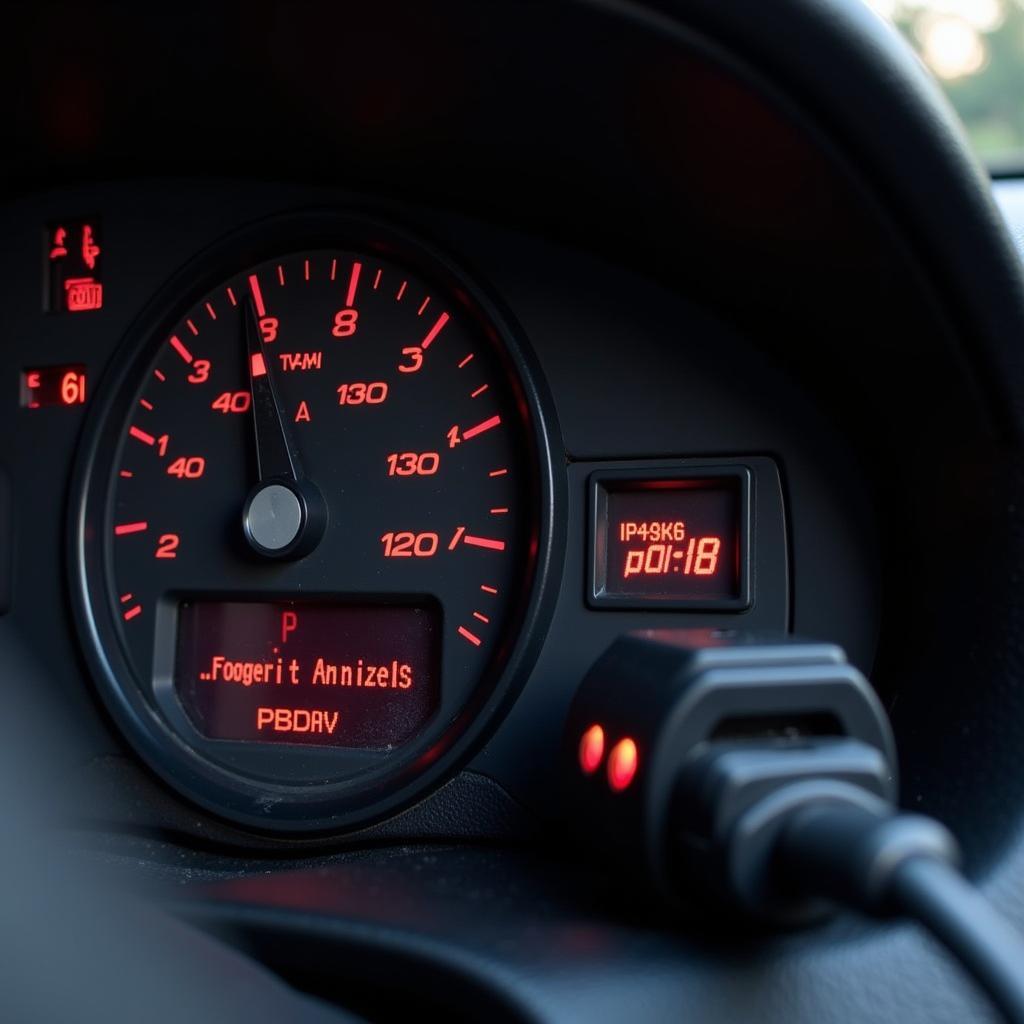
(339, 804)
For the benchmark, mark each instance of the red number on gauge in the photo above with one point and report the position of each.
(409, 545)
(413, 463)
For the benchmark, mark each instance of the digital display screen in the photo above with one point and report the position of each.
(329, 675)
(670, 541)
(44, 386)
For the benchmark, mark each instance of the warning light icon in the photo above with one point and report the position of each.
(83, 293)
(72, 267)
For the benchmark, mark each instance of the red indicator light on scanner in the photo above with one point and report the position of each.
(591, 750)
(622, 765)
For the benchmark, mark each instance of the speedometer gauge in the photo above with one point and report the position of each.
(313, 519)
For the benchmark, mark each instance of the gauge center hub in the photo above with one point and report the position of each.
(273, 518)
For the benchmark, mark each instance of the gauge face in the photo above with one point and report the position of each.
(310, 529)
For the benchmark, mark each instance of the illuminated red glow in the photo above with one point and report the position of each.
(257, 295)
(90, 250)
(141, 435)
(479, 391)
(471, 637)
(488, 590)
(126, 528)
(673, 539)
(426, 302)
(697, 557)
(494, 421)
(132, 612)
(484, 542)
(83, 289)
(192, 327)
(48, 386)
(180, 348)
(297, 720)
(622, 765)
(59, 249)
(401, 291)
(259, 367)
(434, 331)
(353, 284)
(83, 293)
(591, 749)
(465, 362)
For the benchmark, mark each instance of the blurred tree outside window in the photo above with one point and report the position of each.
(975, 48)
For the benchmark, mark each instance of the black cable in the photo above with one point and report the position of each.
(866, 856)
(942, 900)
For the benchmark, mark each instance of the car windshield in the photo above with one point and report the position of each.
(975, 48)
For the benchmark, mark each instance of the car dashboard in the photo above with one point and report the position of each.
(368, 384)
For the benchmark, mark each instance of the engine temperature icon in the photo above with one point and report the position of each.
(73, 278)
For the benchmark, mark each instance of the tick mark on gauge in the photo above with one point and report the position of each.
(401, 291)
(125, 598)
(482, 618)
(488, 590)
(426, 302)
(456, 538)
(466, 635)
(376, 280)
(209, 309)
(231, 297)
(179, 347)
(481, 427)
(466, 361)
(498, 511)
(257, 295)
(334, 268)
(192, 327)
(484, 542)
(305, 269)
(280, 275)
(148, 406)
(127, 474)
(125, 528)
(353, 284)
(498, 472)
(132, 612)
(434, 331)
(479, 391)
(141, 435)
(159, 375)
